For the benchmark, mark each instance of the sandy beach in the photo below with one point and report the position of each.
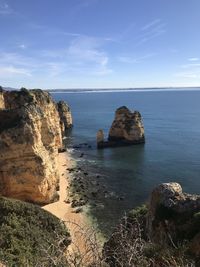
(77, 223)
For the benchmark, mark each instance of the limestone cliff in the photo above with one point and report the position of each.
(30, 136)
(65, 117)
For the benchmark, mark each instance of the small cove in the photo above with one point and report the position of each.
(128, 174)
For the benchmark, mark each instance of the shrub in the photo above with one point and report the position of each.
(27, 232)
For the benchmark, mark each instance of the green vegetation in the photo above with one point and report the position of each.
(29, 235)
(130, 245)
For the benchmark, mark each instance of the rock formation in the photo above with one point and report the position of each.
(30, 136)
(127, 129)
(166, 230)
(65, 116)
(100, 138)
(174, 216)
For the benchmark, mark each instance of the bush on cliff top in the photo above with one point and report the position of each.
(28, 233)
(130, 246)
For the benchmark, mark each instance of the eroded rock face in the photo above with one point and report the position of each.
(30, 136)
(65, 117)
(174, 216)
(2, 105)
(127, 126)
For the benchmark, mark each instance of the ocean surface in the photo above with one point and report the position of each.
(171, 152)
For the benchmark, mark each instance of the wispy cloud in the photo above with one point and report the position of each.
(12, 70)
(151, 24)
(80, 5)
(191, 75)
(84, 56)
(150, 31)
(88, 49)
(193, 59)
(5, 9)
(131, 59)
(22, 46)
(189, 70)
(190, 66)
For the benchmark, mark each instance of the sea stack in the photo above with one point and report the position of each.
(127, 129)
(30, 137)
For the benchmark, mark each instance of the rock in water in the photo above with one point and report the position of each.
(30, 136)
(65, 116)
(100, 138)
(127, 127)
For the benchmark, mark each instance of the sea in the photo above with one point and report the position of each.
(171, 153)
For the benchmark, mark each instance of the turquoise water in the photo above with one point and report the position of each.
(171, 153)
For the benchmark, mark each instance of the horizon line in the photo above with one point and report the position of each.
(125, 88)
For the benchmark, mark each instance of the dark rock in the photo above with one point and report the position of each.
(62, 150)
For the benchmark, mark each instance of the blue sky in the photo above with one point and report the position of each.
(99, 43)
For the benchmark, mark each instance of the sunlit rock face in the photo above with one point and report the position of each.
(126, 129)
(127, 126)
(30, 136)
(65, 117)
(174, 216)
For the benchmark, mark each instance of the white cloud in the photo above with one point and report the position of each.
(11, 70)
(190, 75)
(193, 59)
(88, 51)
(131, 59)
(5, 8)
(190, 66)
(150, 31)
(151, 24)
(22, 46)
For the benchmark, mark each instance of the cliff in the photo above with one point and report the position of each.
(30, 136)
(65, 117)
(126, 129)
(166, 232)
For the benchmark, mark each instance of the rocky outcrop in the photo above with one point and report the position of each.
(30, 136)
(100, 138)
(127, 129)
(65, 117)
(2, 106)
(166, 230)
(174, 216)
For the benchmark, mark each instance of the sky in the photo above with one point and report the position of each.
(99, 43)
